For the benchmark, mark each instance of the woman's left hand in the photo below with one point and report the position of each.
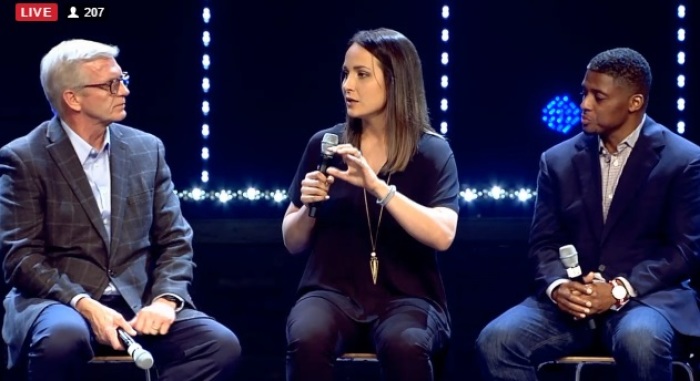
(359, 173)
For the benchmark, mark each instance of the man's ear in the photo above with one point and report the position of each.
(72, 100)
(636, 102)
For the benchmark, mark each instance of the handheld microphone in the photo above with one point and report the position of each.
(569, 258)
(329, 141)
(142, 358)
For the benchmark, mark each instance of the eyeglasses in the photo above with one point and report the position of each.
(113, 85)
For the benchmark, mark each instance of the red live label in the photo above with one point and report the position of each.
(36, 11)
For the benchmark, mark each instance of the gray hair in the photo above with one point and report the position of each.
(60, 67)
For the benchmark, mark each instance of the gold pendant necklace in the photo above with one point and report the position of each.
(373, 238)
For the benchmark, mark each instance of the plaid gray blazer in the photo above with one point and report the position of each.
(52, 238)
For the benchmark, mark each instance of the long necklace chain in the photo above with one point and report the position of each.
(374, 237)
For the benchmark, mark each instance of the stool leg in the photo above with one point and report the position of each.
(579, 370)
(687, 368)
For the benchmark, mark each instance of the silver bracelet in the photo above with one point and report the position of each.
(388, 197)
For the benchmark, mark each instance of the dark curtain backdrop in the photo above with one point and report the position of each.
(275, 74)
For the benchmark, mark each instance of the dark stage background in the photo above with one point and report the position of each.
(275, 81)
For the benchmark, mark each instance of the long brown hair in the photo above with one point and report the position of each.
(407, 110)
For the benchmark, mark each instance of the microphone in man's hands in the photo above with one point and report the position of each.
(329, 141)
(569, 258)
(142, 358)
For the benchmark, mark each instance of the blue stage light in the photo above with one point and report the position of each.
(560, 114)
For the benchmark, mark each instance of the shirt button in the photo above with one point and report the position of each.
(616, 163)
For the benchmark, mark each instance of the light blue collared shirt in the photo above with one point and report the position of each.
(96, 166)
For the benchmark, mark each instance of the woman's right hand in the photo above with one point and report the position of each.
(315, 187)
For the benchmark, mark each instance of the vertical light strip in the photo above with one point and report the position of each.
(680, 59)
(206, 61)
(444, 60)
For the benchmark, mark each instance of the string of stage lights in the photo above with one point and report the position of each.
(680, 79)
(279, 196)
(206, 61)
(445, 60)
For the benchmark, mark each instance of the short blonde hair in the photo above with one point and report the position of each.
(60, 67)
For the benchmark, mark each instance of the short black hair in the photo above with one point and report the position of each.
(626, 65)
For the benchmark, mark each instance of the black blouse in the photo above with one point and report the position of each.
(338, 265)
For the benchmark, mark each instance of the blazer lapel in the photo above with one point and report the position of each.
(587, 165)
(119, 168)
(62, 152)
(643, 158)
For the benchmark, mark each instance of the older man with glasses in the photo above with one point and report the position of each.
(93, 238)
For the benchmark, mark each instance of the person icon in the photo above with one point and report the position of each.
(73, 14)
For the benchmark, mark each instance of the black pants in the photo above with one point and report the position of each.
(61, 343)
(406, 337)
